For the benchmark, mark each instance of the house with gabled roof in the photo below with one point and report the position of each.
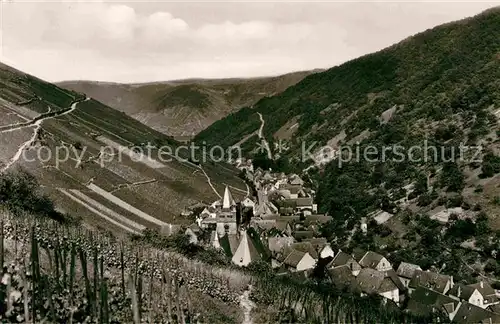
(371, 281)
(424, 302)
(306, 247)
(301, 205)
(480, 294)
(289, 191)
(374, 261)
(299, 261)
(316, 219)
(303, 235)
(342, 259)
(271, 227)
(470, 313)
(435, 281)
(342, 278)
(248, 203)
(488, 293)
(322, 247)
(406, 271)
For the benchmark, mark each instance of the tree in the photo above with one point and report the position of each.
(490, 165)
(19, 192)
(452, 177)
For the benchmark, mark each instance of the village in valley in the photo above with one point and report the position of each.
(278, 223)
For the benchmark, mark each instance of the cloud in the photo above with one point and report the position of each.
(229, 31)
(134, 42)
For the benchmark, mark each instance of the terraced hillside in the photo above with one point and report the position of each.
(184, 107)
(80, 151)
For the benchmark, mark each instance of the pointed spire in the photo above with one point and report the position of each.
(246, 251)
(228, 200)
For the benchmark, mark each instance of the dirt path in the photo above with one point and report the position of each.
(124, 205)
(237, 189)
(38, 120)
(99, 213)
(247, 305)
(209, 181)
(37, 123)
(262, 138)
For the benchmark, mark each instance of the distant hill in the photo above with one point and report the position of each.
(185, 107)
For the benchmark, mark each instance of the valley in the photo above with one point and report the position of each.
(368, 192)
(182, 108)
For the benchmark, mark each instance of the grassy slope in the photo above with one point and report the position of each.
(184, 107)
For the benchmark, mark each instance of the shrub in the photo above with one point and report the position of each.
(454, 201)
(490, 166)
(19, 192)
(452, 177)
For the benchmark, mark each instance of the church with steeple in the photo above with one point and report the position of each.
(222, 215)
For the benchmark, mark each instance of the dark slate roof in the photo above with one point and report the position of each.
(256, 242)
(486, 290)
(370, 280)
(341, 258)
(317, 219)
(229, 243)
(370, 259)
(407, 270)
(294, 258)
(494, 308)
(302, 235)
(423, 301)
(461, 291)
(392, 274)
(318, 242)
(429, 280)
(468, 313)
(288, 203)
(306, 247)
(286, 210)
(357, 254)
(304, 202)
(342, 277)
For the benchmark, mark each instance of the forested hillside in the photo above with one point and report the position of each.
(439, 88)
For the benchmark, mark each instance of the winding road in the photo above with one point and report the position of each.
(37, 123)
(262, 138)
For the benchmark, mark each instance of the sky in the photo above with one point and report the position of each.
(145, 41)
